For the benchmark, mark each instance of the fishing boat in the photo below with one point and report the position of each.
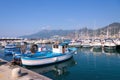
(60, 52)
(58, 68)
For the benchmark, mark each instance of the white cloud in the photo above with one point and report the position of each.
(48, 27)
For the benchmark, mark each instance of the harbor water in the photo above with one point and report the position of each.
(87, 64)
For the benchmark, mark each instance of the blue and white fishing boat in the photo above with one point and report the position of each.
(60, 52)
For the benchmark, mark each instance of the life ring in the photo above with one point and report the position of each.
(34, 48)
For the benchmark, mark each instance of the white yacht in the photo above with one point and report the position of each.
(109, 44)
(75, 43)
(97, 43)
(86, 43)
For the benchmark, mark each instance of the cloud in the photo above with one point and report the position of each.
(48, 27)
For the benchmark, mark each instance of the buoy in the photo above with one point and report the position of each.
(16, 72)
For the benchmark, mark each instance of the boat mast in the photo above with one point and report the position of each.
(107, 33)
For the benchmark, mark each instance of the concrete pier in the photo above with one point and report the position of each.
(6, 73)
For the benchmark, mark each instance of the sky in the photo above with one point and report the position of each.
(24, 17)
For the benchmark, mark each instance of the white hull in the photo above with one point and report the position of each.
(86, 45)
(96, 47)
(44, 61)
(75, 44)
(109, 46)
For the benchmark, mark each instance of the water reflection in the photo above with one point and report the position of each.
(55, 69)
(5, 57)
(93, 64)
(99, 51)
(85, 50)
(112, 52)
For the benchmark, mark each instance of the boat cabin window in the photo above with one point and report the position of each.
(109, 40)
(65, 46)
(55, 46)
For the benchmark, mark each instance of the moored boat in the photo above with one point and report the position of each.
(10, 49)
(60, 52)
(74, 43)
(97, 44)
(109, 44)
(86, 43)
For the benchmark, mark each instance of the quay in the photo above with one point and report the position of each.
(6, 72)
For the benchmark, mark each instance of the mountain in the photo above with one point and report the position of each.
(49, 33)
(113, 29)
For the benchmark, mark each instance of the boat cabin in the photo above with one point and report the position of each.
(60, 48)
(42, 49)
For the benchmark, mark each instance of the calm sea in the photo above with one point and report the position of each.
(87, 64)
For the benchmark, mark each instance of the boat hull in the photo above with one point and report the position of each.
(44, 61)
(75, 45)
(97, 47)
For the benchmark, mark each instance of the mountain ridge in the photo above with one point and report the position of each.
(113, 28)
